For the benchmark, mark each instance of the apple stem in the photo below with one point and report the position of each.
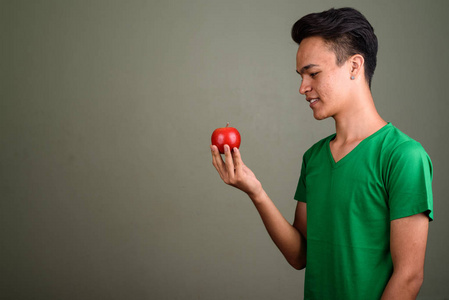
(227, 124)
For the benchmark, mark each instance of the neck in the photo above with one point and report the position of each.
(359, 121)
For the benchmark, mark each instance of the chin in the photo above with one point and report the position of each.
(320, 117)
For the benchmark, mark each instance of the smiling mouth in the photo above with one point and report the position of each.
(312, 101)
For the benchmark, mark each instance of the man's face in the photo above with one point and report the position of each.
(324, 83)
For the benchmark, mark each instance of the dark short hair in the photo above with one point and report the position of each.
(345, 30)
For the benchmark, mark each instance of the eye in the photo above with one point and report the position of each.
(313, 74)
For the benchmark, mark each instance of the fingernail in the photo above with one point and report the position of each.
(226, 148)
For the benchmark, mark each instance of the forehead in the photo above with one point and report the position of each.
(315, 51)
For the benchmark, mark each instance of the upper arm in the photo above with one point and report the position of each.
(300, 221)
(409, 181)
(408, 240)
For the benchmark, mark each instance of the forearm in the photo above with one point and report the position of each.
(402, 287)
(286, 237)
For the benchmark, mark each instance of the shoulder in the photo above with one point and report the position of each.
(399, 145)
(403, 156)
(318, 147)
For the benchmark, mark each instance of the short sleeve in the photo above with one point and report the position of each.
(409, 183)
(300, 194)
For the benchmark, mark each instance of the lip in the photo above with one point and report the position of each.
(312, 104)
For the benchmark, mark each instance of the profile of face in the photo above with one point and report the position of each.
(324, 83)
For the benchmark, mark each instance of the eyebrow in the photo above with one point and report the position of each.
(305, 68)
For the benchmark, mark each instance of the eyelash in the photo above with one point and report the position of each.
(312, 75)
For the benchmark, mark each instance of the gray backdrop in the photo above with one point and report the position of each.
(107, 107)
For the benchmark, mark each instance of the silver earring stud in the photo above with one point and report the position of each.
(352, 77)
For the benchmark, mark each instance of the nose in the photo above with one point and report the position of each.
(305, 87)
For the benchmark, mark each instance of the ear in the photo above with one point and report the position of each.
(357, 63)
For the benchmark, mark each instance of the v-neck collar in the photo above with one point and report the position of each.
(353, 151)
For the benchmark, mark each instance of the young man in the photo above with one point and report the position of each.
(364, 194)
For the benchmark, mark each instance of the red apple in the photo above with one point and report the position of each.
(225, 136)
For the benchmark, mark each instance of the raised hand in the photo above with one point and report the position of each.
(234, 172)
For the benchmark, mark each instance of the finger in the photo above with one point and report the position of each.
(229, 162)
(238, 163)
(217, 161)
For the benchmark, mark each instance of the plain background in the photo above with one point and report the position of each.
(107, 107)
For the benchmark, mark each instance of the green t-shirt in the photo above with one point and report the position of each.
(349, 208)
